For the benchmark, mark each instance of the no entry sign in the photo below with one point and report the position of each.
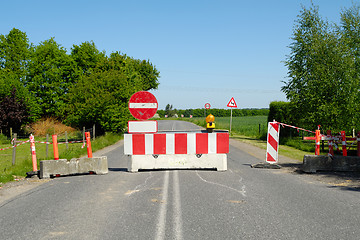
(143, 105)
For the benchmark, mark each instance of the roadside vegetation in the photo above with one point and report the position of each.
(23, 160)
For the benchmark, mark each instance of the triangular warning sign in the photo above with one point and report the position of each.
(232, 103)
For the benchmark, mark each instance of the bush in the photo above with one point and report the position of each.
(49, 126)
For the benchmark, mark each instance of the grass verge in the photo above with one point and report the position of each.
(284, 150)
(23, 162)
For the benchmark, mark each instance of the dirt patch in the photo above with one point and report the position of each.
(19, 186)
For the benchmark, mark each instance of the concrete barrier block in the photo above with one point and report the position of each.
(98, 165)
(314, 163)
(177, 161)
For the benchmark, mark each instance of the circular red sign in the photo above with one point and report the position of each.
(143, 105)
(207, 105)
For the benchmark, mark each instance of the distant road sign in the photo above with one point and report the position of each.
(232, 103)
(143, 105)
(207, 105)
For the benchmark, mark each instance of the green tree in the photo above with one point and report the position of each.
(169, 110)
(51, 72)
(86, 56)
(321, 85)
(14, 59)
(14, 53)
(100, 98)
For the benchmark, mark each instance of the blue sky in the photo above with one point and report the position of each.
(206, 51)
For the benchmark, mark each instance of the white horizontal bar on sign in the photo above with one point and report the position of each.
(142, 126)
(142, 105)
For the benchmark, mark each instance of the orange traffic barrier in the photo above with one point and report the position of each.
(33, 152)
(317, 142)
(55, 147)
(88, 144)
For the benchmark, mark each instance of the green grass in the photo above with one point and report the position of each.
(247, 126)
(23, 162)
(284, 150)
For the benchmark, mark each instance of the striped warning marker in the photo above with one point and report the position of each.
(272, 142)
(176, 143)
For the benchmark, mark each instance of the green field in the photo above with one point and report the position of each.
(251, 126)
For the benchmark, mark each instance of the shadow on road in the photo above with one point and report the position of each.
(118, 169)
(347, 181)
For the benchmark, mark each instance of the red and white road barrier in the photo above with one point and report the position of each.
(176, 143)
(272, 142)
(33, 152)
(177, 150)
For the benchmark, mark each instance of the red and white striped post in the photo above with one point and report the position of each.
(330, 143)
(343, 138)
(272, 142)
(317, 142)
(33, 153)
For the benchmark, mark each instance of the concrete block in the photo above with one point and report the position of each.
(98, 165)
(313, 163)
(177, 161)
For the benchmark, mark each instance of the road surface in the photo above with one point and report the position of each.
(241, 203)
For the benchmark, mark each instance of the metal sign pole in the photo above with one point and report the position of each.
(230, 121)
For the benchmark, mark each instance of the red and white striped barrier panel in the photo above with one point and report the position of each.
(176, 143)
(177, 150)
(272, 142)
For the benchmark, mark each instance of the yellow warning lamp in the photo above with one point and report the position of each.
(210, 123)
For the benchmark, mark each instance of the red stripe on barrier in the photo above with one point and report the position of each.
(138, 144)
(180, 143)
(275, 125)
(270, 158)
(159, 143)
(202, 143)
(222, 143)
(272, 142)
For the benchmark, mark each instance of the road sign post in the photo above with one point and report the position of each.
(142, 105)
(231, 104)
(207, 106)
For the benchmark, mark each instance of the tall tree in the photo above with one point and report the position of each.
(51, 72)
(86, 56)
(321, 84)
(14, 53)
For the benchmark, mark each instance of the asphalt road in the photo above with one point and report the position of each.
(241, 203)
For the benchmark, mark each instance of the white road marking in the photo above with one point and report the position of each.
(177, 219)
(160, 228)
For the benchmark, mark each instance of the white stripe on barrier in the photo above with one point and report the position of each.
(128, 148)
(211, 143)
(191, 143)
(170, 143)
(149, 144)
